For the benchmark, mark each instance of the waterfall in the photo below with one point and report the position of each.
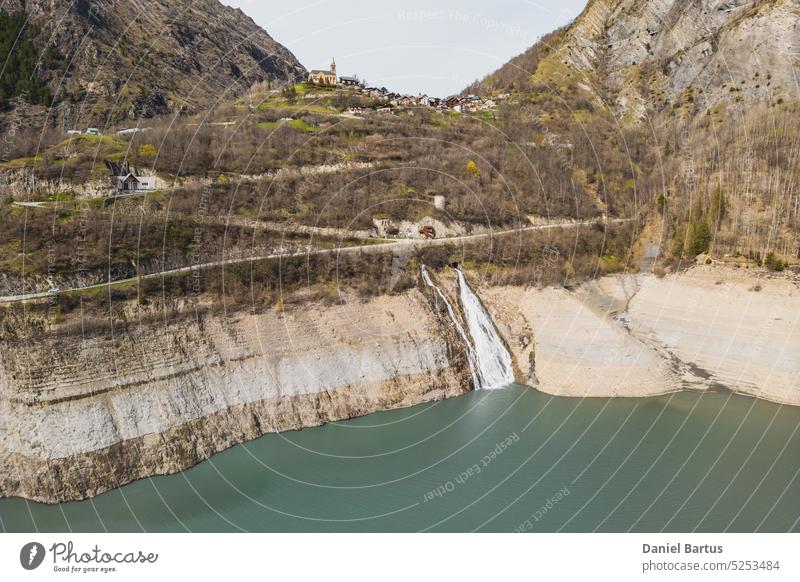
(494, 362)
(471, 358)
(489, 361)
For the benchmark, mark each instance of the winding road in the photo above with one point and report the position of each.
(405, 244)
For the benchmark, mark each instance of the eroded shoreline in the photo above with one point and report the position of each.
(159, 400)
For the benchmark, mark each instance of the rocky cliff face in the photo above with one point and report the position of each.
(79, 417)
(121, 58)
(706, 94)
(647, 54)
(651, 53)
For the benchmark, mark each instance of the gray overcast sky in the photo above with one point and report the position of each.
(410, 46)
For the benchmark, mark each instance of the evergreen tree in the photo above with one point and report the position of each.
(18, 62)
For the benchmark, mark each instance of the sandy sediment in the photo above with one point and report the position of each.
(709, 327)
(736, 329)
(574, 350)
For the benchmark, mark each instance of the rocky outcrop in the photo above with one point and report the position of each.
(81, 416)
(25, 185)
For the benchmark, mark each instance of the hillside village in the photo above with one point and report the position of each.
(456, 103)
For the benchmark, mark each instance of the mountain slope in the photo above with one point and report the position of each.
(704, 96)
(108, 60)
(646, 56)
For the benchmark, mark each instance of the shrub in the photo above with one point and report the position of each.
(773, 263)
(610, 264)
(147, 150)
(698, 237)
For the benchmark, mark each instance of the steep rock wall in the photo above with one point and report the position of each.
(79, 417)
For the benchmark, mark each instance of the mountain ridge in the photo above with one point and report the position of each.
(124, 59)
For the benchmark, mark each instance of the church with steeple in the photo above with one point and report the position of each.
(328, 78)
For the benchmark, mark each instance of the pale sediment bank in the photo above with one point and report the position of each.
(79, 418)
(564, 347)
(705, 328)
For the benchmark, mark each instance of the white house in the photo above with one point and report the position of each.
(133, 183)
(126, 178)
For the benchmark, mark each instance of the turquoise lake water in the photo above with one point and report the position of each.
(495, 461)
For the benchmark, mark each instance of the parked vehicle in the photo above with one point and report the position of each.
(427, 231)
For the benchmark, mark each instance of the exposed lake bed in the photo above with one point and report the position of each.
(708, 328)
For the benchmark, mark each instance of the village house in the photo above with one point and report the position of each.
(470, 103)
(470, 106)
(407, 100)
(452, 101)
(134, 183)
(126, 179)
(349, 81)
(324, 78)
(377, 93)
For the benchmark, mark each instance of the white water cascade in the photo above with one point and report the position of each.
(471, 359)
(494, 362)
(489, 361)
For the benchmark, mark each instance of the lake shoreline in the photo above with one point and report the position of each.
(190, 391)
